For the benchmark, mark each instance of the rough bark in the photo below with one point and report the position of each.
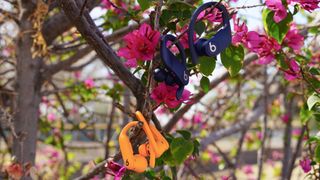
(59, 23)
(28, 89)
(96, 40)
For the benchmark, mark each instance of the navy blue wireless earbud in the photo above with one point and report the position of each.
(175, 70)
(216, 44)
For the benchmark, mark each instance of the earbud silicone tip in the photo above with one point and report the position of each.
(159, 75)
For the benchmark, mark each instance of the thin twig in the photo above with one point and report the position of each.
(109, 128)
(287, 141)
(238, 154)
(261, 151)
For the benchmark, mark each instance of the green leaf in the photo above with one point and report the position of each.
(313, 100)
(185, 134)
(273, 29)
(281, 58)
(168, 158)
(232, 59)
(207, 65)
(181, 149)
(317, 153)
(313, 139)
(200, 27)
(196, 149)
(205, 84)
(144, 4)
(305, 114)
(150, 174)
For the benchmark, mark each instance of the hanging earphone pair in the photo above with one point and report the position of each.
(175, 70)
(153, 148)
(173, 73)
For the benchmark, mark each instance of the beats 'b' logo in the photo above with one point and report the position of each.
(212, 47)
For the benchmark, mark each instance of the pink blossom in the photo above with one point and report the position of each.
(276, 155)
(308, 5)
(197, 118)
(137, 7)
(293, 72)
(253, 41)
(225, 177)
(51, 117)
(296, 132)
(54, 155)
(7, 51)
(108, 5)
(117, 169)
(15, 171)
(241, 33)
(77, 74)
(294, 39)
(259, 135)
(305, 164)
(263, 45)
(89, 83)
(285, 118)
(280, 11)
(247, 169)
(140, 45)
(167, 95)
(212, 15)
(215, 159)
(315, 59)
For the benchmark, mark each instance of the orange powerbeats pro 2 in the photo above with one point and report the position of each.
(154, 148)
(134, 162)
(157, 143)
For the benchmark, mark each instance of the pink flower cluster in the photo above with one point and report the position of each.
(140, 45)
(305, 164)
(261, 44)
(117, 170)
(89, 83)
(266, 47)
(294, 39)
(167, 95)
(212, 15)
(108, 5)
(308, 5)
(293, 71)
(280, 11)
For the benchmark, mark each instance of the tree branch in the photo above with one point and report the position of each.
(248, 120)
(59, 23)
(96, 40)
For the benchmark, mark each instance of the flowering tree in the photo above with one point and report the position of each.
(77, 70)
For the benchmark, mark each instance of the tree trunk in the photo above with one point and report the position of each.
(28, 88)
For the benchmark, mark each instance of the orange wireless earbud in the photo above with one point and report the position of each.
(154, 148)
(157, 144)
(135, 162)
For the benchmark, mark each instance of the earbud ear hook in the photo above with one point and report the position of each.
(175, 71)
(216, 44)
(132, 161)
(157, 144)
